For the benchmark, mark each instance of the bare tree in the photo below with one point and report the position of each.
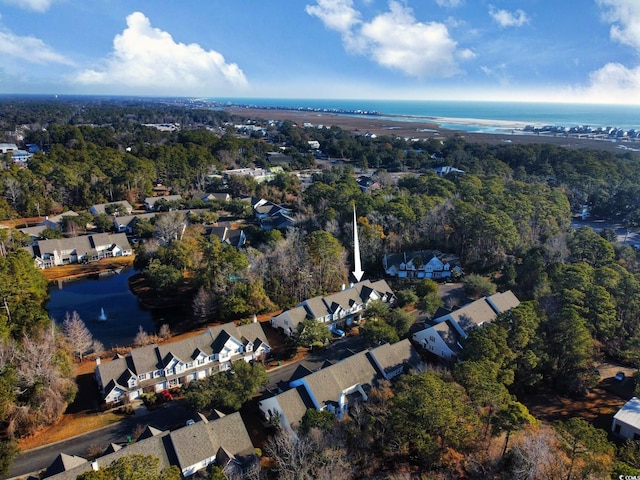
(203, 304)
(164, 333)
(536, 456)
(77, 334)
(316, 456)
(142, 338)
(169, 227)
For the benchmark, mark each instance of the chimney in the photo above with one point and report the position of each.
(255, 318)
(94, 466)
(343, 286)
(97, 360)
(351, 285)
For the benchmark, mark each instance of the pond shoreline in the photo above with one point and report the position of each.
(77, 270)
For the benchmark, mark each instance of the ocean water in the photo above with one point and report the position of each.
(468, 116)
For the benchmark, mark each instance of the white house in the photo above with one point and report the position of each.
(120, 208)
(154, 368)
(443, 337)
(422, 264)
(154, 203)
(223, 441)
(83, 248)
(337, 310)
(338, 387)
(626, 423)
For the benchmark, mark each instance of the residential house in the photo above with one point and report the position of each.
(337, 310)
(117, 208)
(258, 174)
(155, 203)
(84, 248)
(48, 222)
(21, 157)
(626, 422)
(159, 190)
(8, 147)
(154, 368)
(234, 237)
(223, 441)
(126, 223)
(271, 215)
(445, 170)
(55, 221)
(443, 337)
(422, 264)
(277, 158)
(367, 183)
(337, 387)
(210, 197)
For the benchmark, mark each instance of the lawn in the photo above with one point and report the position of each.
(69, 426)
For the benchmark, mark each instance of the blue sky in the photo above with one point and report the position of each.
(513, 50)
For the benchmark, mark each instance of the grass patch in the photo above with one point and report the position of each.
(69, 426)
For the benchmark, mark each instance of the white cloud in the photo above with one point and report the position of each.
(505, 18)
(150, 60)
(337, 15)
(449, 3)
(614, 83)
(29, 49)
(625, 16)
(35, 5)
(394, 39)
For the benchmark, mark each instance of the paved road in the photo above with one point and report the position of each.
(172, 416)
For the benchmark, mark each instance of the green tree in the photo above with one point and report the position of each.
(430, 414)
(586, 245)
(406, 298)
(510, 418)
(376, 310)
(589, 444)
(477, 286)
(227, 390)
(321, 419)
(427, 287)
(163, 278)
(312, 333)
(401, 321)
(570, 352)
(8, 452)
(103, 222)
(377, 332)
(133, 467)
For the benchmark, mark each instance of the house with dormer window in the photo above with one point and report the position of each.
(338, 387)
(154, 368)
(338, 310)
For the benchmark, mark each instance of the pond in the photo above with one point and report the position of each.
(91, 296)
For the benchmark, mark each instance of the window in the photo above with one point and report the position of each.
(190, 365)
(142, 376)
(432, 338)
(200, 361)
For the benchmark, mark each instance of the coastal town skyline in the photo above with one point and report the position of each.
(437, 49)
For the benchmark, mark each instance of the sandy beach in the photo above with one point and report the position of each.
(509, 132)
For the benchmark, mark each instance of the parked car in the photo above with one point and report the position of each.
(166, 395)
(337, 332)
(620, 376)
(190, 422)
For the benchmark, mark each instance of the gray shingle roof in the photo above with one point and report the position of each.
(156, 357)
(201, 440)
(391, 356)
